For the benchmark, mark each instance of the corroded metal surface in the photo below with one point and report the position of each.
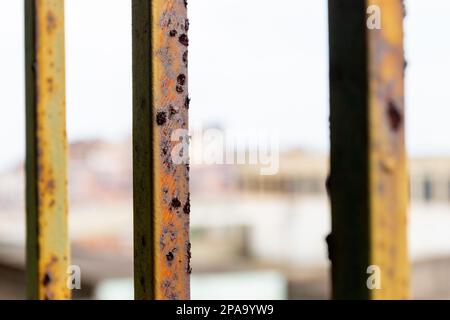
(160, 106)
(388, 173)
(368, 180)
(47, 241)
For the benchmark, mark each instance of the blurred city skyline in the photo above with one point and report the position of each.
(248, 60)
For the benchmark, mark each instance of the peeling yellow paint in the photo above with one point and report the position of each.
(47, 240)
(387, 156)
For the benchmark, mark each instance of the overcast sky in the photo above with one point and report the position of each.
(257, 63)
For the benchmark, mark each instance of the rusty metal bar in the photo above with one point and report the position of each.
(368, 180)
(47, 247)
(160, 107)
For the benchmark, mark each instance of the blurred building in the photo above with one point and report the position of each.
(430, 179)
(243, 223)
(303, 173)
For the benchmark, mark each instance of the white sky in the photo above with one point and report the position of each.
(257, 63)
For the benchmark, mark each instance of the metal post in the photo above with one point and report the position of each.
(160, 107)
(47, 244)
(368, 182)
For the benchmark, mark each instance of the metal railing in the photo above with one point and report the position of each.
(368, 179)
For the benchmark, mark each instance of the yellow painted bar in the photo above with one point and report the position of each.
(161, 185)
(368, 183)
(387, 156)
(47, 246)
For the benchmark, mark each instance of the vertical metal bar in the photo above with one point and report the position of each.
(368, 180)
(47, 248)
(388, 160)
(160, 108)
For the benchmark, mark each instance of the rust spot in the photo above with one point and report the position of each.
(187, 206)
(387, 166)
(173, 33)
(50, 185)
(184, 40)
(185, 3)
(179, 89)
(161, 118)
(187, 102)
(172, 112)
(51, 22)
(185, 57)
(47, 279)
(188, 253)
(189, 256)
(186, 25)
(175, 203)
(395, 118)
(50, 84)
(181, 79)
(170, 256)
